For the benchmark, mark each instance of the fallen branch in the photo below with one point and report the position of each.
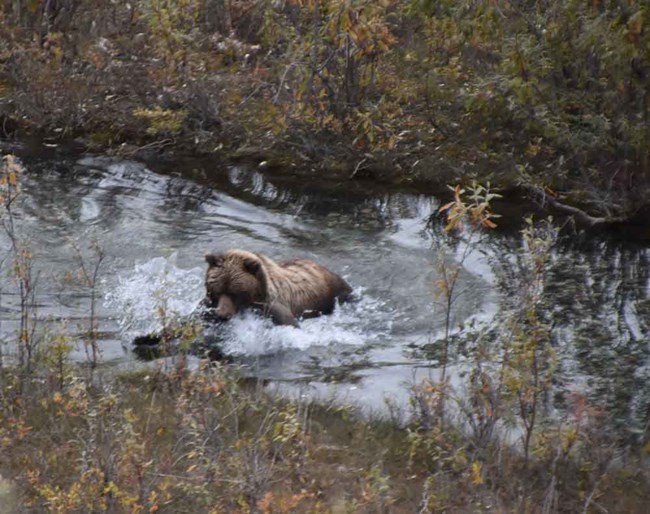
(580, 216)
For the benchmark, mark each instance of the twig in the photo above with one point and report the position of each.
(358, 167)
(590, 499)
(282, 79)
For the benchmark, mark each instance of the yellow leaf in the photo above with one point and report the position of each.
(477, 473)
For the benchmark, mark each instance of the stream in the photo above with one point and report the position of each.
(154, 225)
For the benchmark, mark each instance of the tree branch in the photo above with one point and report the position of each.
(580, 216)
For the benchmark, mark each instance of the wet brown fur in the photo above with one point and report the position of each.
(286, 291)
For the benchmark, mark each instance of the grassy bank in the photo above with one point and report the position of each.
(180, 441)
(553, 98)
(204, 441)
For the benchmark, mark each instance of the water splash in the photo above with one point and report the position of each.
(152, 291)
(365, 321)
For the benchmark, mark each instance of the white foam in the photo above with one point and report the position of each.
(352, 324)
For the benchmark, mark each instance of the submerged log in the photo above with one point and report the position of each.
(197, 334)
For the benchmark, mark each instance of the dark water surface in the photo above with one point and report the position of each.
(155, 227)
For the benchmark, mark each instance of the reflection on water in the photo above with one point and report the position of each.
(155, 229)
(598, 300)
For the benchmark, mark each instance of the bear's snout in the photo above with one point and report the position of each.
(226, 307)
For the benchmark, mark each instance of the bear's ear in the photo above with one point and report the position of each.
(252, 266)
(214, 259)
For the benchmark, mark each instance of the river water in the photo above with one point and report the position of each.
(155, 225)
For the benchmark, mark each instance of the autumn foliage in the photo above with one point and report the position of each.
(551, 94)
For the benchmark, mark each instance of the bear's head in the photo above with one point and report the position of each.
(234, 281)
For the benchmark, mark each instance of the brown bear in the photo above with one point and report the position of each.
(285, 291)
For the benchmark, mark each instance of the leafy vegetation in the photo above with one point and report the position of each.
(551, 96)
(174, 440)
